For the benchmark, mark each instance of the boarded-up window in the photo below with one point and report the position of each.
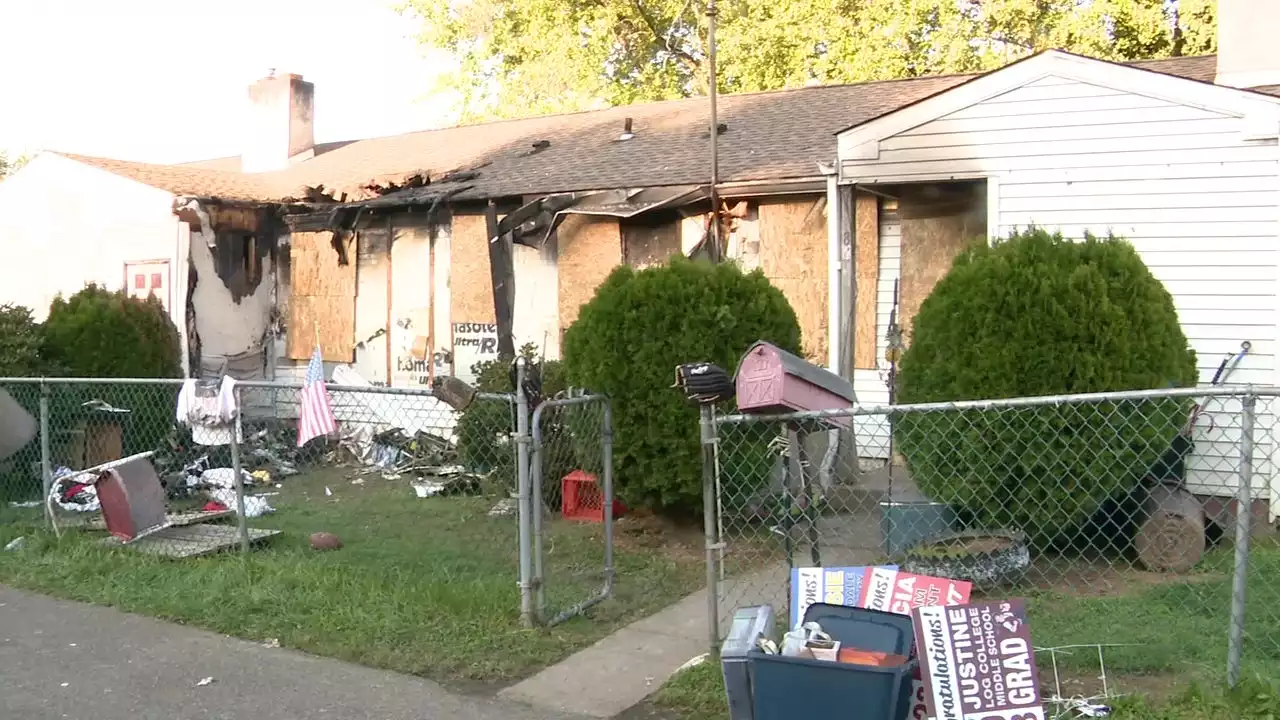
(793, 254)
(322, 303)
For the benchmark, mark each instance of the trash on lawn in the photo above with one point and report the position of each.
(72, 495)
(506, 507)
(328, 492)
(358, 481)
(271, 643)
(428, 488)
(254, 506)
(261, 477)
(25, 505)
(16, 544)
(103, 406)
(223, 478)
(204, 681)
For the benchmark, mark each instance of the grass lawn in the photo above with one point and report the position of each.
(423, 586)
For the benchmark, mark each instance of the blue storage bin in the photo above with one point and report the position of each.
(786, 688)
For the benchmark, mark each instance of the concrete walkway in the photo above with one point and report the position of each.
(68, 661)
(623, 669)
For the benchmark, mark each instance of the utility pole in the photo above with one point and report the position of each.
(716, 244)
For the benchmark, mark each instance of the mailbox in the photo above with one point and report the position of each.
(772, 380)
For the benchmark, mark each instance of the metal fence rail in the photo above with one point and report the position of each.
(1143, 520)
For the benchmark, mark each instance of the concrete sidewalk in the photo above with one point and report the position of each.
(623, 669)
(68, 661)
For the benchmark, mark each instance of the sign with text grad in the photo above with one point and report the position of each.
(978, 662)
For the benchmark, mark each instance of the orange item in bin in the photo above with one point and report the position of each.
(854, 656)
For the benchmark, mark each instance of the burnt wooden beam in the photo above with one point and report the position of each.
(502, 273)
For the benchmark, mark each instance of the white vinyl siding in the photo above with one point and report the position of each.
(1199, 202)
(870, 386)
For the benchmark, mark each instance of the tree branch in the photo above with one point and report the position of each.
(658, 35)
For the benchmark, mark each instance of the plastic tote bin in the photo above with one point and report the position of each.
(787, 688)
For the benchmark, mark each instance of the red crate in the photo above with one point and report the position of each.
(581, 498)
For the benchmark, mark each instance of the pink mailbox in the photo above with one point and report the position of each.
(772, 380)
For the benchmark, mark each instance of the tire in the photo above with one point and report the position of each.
(1001, 558)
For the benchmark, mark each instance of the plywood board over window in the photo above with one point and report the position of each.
(589, 249)
(938, 223)
(793, 255)
(323, 297)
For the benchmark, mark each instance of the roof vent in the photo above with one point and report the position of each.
(626, 131)
(721, 129)
(536, 147)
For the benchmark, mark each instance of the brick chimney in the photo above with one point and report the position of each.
(280, 130)
(1248, 54)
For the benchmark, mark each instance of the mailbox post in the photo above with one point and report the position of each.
(770, 380)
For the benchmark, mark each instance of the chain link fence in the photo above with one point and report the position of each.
(118, 462)
(1117, 515)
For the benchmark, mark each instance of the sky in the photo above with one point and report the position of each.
(167, 81)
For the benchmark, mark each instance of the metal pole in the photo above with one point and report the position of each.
(716, 245)
(242, 523)
(606, 471)
(524, 500)
(709, 440)
(46, 453)
(1244, 515)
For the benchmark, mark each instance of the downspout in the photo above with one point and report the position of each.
(833, 267)
(826, 470)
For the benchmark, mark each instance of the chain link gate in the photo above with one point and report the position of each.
(571, 474)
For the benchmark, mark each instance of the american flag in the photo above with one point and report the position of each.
(316, 414)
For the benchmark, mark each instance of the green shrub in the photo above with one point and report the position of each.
(20, 338)
(99, 333)
(484, 429)
(627, 342)
(1040, 315)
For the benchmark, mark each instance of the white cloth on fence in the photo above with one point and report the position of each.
(210, 413)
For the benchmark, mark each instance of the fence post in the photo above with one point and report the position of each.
(709, 440)
(524, 501)
(46, 452)
(1244, 516)
(242, 523)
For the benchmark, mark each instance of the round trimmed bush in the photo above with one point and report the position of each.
(627, 342)
(101, 333)
(1038, 315)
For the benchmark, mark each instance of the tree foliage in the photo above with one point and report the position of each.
(517, 57)
(627, 342)
(1040, 315)
(20, 337)
(8, 166)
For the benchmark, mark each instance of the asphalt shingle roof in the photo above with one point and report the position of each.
(770, 136)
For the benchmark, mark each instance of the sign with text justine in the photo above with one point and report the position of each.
(977, 662)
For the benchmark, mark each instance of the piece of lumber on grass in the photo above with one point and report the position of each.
(1171, 536)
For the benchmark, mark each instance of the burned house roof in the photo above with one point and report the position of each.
(772, 135)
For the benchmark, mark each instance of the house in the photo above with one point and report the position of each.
(379, 250)
(1179, 156)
